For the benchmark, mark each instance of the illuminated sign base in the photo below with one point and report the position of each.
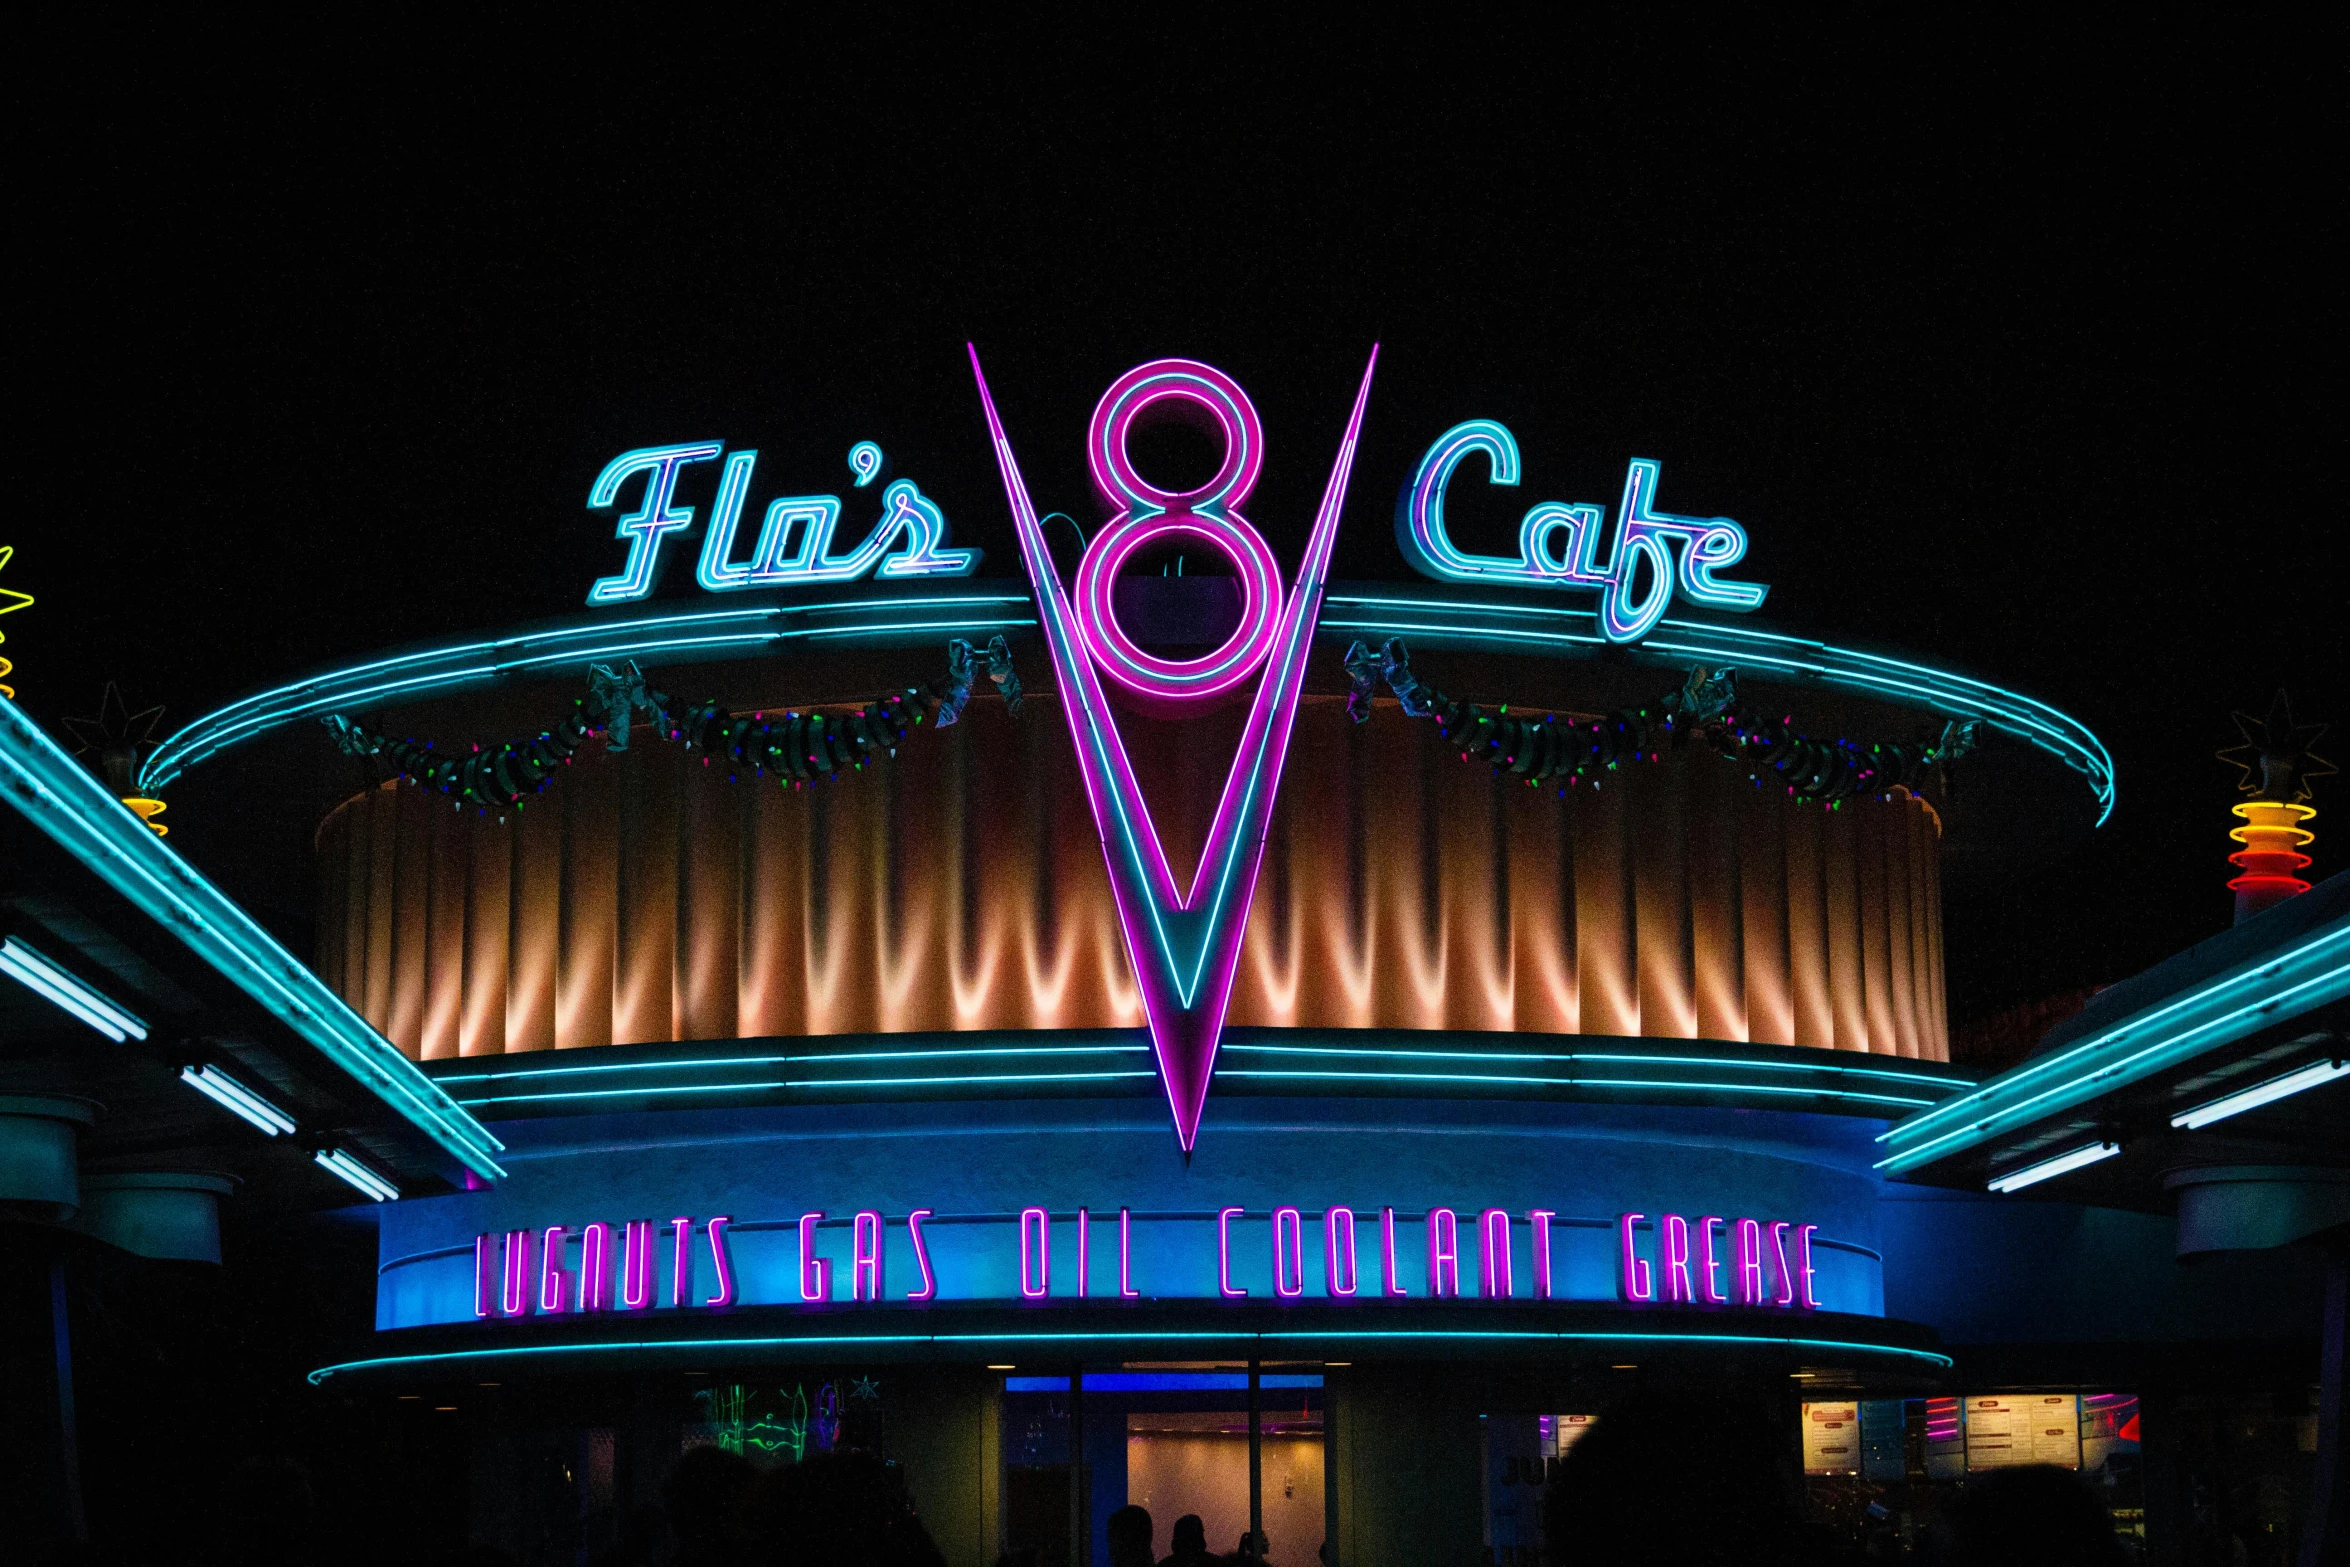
(1335, 1256)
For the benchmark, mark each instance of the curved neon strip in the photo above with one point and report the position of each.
(702, 1346)
(2077, 1072)
(1941, 691)
(69, 803)
(345, 688)
(1574, 1055)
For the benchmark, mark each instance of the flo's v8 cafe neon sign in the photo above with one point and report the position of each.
(1183, 938)
(1559, 544)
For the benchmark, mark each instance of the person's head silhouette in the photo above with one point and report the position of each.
(1130, 1538)
(1191, 1538)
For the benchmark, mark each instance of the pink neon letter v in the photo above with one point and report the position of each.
(1184, 947)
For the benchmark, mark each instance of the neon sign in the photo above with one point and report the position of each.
(1558, 544)
(1185, 945)
(794, 546)
(1687, 1265)
(1702, 1262)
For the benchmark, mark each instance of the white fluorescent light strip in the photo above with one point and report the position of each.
(2260, 1094)
(357, 1174)
(2033, 1174)
(38, 973)
(236, 1098)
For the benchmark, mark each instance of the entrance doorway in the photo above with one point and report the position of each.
(1180, 1464)
(1173, 1440)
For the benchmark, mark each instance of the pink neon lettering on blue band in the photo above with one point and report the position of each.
(1037, 1285)
(865, 1256)
(1444, 1254)
(636, 1265)
(481, 1275)
(1539, 1220)
(1126, 1289)
(929, 1289)
(595, 1267)
(716, 1230)
(1493, 1255)
(1750, 1263)
(681, 1259)
(1289, 1258)
(1710, 1265)
(815, 1271)
(1634, 1281)
(554, 1283)
(1389, 1283)
(1338, 1253)
(1779, 1251)
(1084, 1249)
(1673, 1257)
(1803, 1267)
(1224, 1254)
(514, 1293)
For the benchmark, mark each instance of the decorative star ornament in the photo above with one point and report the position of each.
(2275, 759)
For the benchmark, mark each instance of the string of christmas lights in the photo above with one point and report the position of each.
(799, 749)
(1565, 751)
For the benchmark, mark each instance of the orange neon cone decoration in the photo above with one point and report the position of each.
(2277, 766)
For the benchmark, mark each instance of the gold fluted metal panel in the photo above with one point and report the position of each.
(649, 897)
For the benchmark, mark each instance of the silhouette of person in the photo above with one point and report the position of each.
(1130, 1538)
(2036, 1514)
(1674, 1478)
(842, 1506)
(1189, 1545)
(702, 1496)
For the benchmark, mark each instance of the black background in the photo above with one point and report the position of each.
(2015, 349)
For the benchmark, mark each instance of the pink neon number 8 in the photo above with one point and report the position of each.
(1147, 514)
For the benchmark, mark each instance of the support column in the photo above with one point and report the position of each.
(1256, 1456)
(2329, 1498)
(69, 1444)
(1080, 1505)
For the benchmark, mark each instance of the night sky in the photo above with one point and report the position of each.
(2017, 351)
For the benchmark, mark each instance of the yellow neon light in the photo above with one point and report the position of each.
(2245, 809)
(9, 600)
(148, 810)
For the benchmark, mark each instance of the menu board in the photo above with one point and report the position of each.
(1567, 1430)
(1884, 1439)
(1831, 1438)
(2023, 1428)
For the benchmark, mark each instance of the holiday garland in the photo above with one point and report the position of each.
(800, 748)
(1566, 751)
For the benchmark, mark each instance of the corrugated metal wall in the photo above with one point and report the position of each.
(645, 897)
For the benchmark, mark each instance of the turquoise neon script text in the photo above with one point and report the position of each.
(1558, 545)
(795, 539)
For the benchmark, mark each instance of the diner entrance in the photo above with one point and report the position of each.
(1233, 1447)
